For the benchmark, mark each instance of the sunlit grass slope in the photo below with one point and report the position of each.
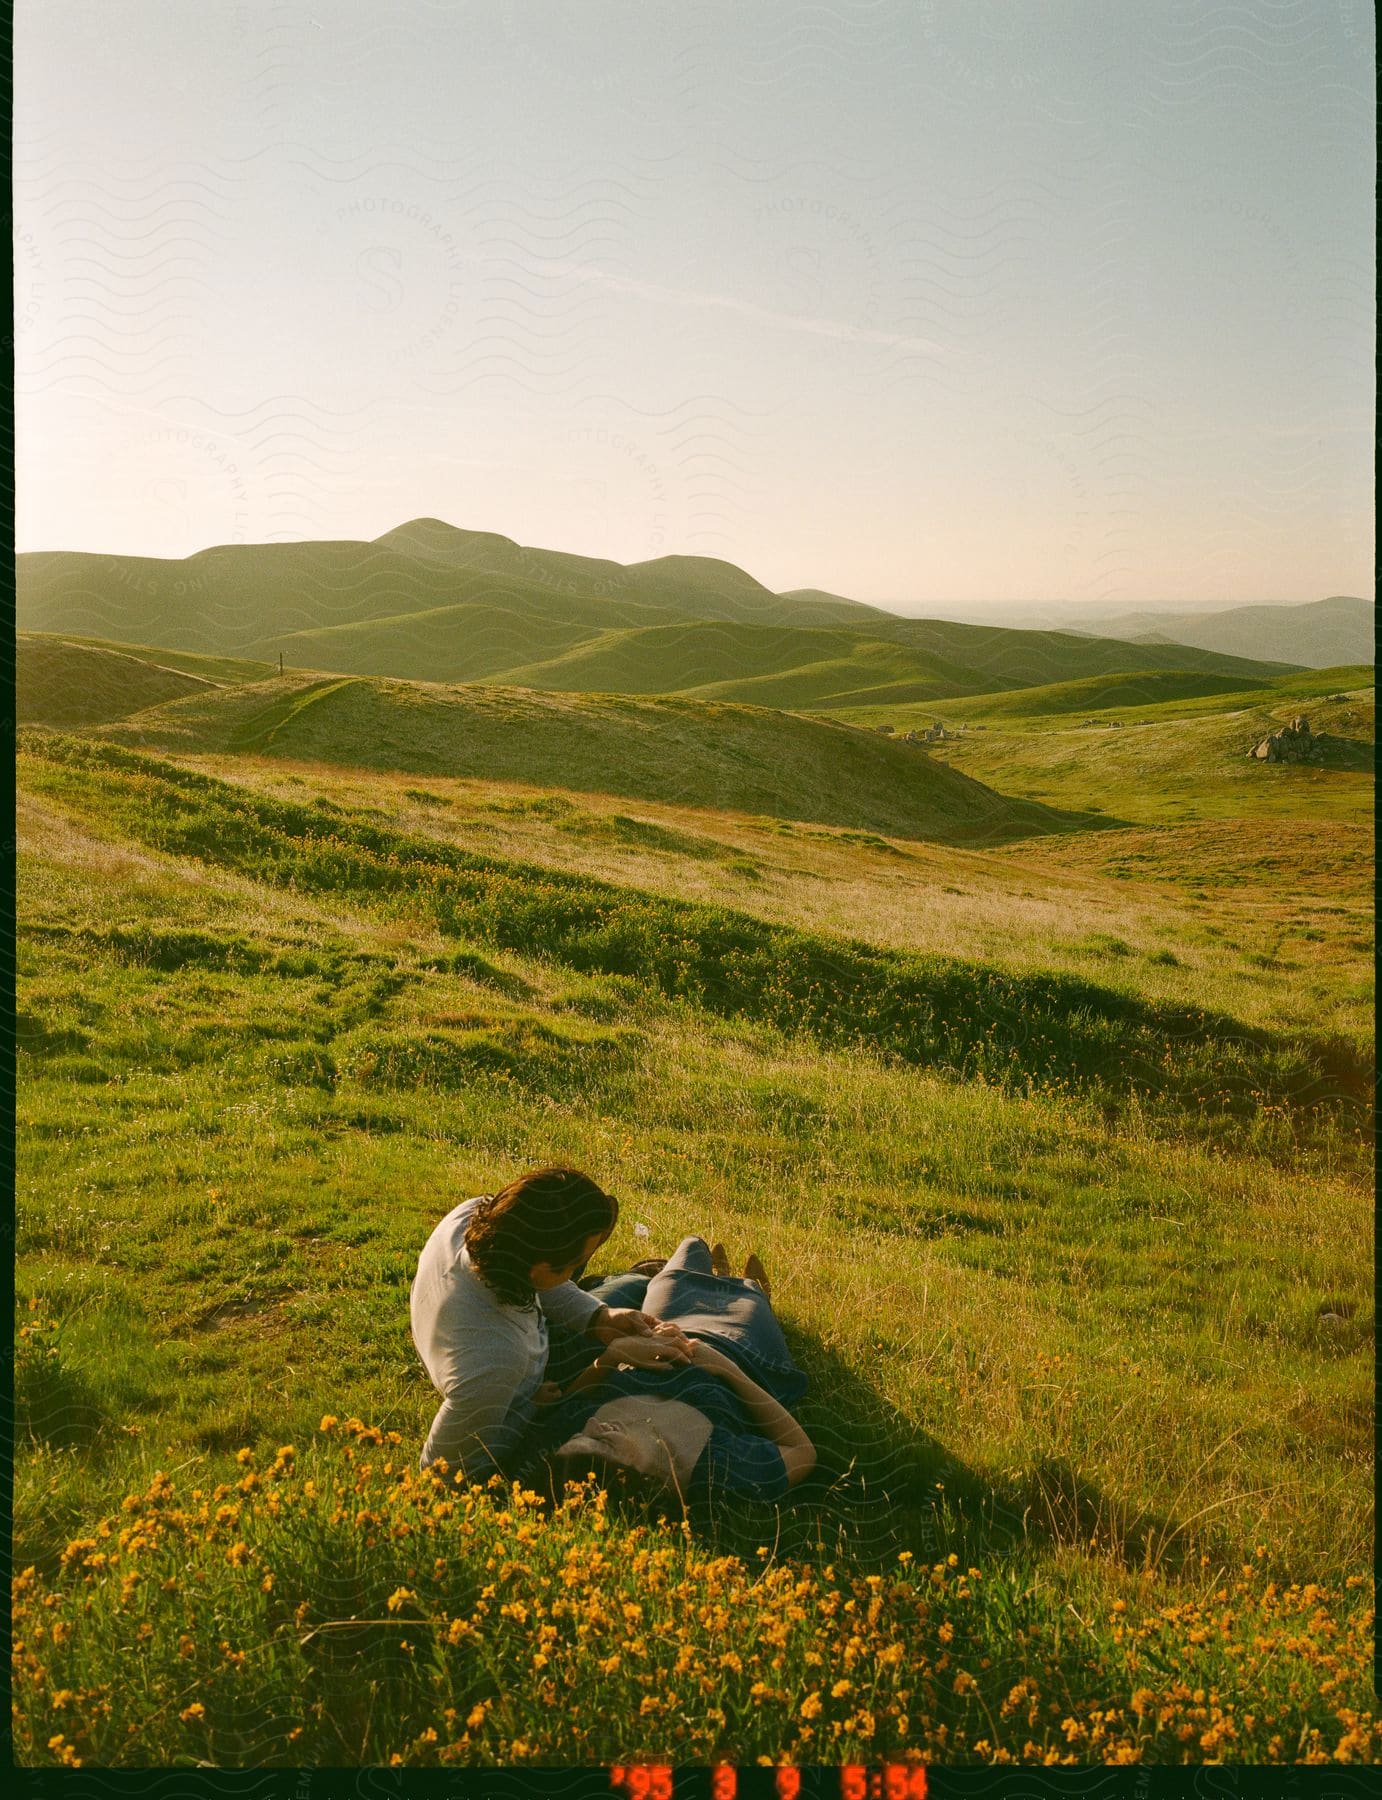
(1163, 770)
(1155, 696)
(1269, 921)
(225, 671)
(737, 758)
(1126, 1325)
(427, 600)
(253, 599)
(59, 683)
(1003, 657)
(770, 666)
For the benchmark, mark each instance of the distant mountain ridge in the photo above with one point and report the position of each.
(431, 601)
(1321, 634)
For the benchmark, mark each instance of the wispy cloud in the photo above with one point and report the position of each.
(761, 315)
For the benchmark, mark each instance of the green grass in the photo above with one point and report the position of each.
(227, 670)
(1151, 696)
(61, 683)
(738, 758)
(782, 666)
(1214, 898)
(1034, 1031)
(262, 1600)
(1171, 771)
(427, 601)
(1094, 1328)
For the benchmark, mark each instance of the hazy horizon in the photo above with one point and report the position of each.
(906, 608)
(928, 305)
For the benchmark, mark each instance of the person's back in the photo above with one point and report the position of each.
(486, 1359)
(489, 1276)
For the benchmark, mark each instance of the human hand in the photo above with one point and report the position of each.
(547, 1393)
(672, 1334)
(646, 1353)
(624, 1321)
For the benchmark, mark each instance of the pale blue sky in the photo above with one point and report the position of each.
(963, 300)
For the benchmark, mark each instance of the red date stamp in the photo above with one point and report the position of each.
(855, 1781)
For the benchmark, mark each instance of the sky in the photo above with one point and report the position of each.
(975, 301)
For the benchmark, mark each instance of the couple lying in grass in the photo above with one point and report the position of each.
(672, 1377)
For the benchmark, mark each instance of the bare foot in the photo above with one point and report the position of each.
(754, 1271)
(719, 1259)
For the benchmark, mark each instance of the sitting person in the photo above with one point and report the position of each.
(489, 1277)
(716, 1425)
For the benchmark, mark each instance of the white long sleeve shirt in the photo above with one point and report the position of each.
(485, 1359)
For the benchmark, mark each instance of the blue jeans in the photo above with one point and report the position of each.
(728, 1311)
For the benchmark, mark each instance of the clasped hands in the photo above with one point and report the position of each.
(641, 1341)
(633, 1340)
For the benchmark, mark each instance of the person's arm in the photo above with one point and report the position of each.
(576, 1310)
(472, 1431)
(635, 1352)
(570, 1306)
(590, 1377)
(772, 1419)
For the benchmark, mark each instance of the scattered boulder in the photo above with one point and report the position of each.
(1294, 743)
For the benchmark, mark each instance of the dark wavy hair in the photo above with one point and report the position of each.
(546, 1216)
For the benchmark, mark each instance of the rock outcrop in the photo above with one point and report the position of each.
(1294, 743)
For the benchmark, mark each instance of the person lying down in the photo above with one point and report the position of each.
(716, 1424)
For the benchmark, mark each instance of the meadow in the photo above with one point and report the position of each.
(1054, 1140)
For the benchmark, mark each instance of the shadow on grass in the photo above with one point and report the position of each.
(883, 1485)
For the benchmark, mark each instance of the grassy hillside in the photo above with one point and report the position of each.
(237, 596)
(59, 683)
(1152, 688)
(226, 671)
(1145, 696)
(1006, 658)
(429, 601)
(1080, 1277)
(1200, 917)
(465, 642)
(734, 758)
(1321, 633)
(1171, 770)
(766, 665)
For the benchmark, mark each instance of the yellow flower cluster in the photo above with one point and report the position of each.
(481, 1611)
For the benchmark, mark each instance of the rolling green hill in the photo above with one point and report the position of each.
(1146, 698)
(1094, 693)
(733, 758)
(428, 601)
(59, 683)
(790, 667)
(1170, 769)
(1005, 658)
